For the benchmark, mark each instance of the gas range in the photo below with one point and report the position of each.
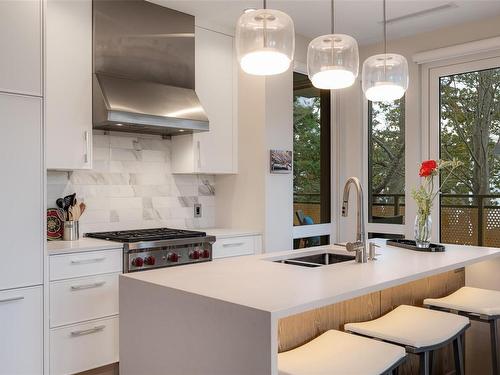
(160, 247)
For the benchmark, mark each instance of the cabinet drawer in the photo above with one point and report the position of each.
(85, 264)
(234, 246)
(21, 331)
(84, 346)
(83, 298)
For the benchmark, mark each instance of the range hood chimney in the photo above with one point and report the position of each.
(144, 69)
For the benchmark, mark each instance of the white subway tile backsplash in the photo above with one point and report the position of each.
(131, 187)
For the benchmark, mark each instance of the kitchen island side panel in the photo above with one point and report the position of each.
(168, 331)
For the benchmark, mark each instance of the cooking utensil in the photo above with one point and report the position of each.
(75, 211)
(69, 200)
(83, 206)
(60, 203)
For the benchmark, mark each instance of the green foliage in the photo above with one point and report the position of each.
(306, 145)
(387, 147)
(470, 128)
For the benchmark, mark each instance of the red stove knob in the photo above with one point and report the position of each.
(205, 253)
(195, 254)
(173, 257)
(150, 261)
(138, 262)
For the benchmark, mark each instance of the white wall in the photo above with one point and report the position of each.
(255, 198)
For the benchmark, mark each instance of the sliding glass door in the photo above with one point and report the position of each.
(464, 105)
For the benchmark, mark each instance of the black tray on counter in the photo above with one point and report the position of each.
(411, 245)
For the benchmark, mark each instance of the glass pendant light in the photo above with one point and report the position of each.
(333, 60)
(265, 41)
(385, 76)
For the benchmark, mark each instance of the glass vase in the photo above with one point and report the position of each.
(423, 230)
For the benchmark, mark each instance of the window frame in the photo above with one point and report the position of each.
(431, 134)
(398, 229)
(323, 229)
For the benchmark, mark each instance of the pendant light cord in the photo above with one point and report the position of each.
(264, 4)
(332, 17)
(385, 41)
(385, 29)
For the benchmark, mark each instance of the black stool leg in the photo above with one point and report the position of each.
(457, 353)
(424, 363)
(494, 351)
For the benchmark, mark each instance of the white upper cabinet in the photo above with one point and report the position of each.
(68, 84)
(21, 224)
(21, 47)
(215, 151)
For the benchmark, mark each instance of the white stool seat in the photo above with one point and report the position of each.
(412, 326)
(472, 300)
(340, 353)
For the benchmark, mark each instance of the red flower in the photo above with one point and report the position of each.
(427, 168)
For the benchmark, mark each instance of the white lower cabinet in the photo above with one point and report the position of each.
(21, 331)
(236, 246)
(83, 346)
(83, 300)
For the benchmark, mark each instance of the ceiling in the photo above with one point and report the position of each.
(359, 18)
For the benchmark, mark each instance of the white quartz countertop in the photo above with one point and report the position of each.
(228, 233)
(92, 244)
(282, 289)
(83, 244)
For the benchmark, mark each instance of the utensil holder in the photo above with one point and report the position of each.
(71, 230)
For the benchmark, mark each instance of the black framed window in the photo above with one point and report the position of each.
(311, 157)
(386, 162)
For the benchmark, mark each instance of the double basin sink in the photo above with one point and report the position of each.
(317, 260)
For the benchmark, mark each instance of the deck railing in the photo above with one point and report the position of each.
(465, 219)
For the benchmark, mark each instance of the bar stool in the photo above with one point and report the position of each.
(420, 331)
(477, 304)
(339, 353)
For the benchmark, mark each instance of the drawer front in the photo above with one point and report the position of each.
(234, 246)
(84, 298)
(21, 331)
(85, 264)
(84, 346)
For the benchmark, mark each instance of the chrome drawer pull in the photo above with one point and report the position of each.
(12, 299)
(88, 286)
(87, 331)
(83, 261)
(233, 244)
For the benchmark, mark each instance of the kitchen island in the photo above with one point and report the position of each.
(227, 316)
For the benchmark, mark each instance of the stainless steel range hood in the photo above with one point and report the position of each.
(144, 69)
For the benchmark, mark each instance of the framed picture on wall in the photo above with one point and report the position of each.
(281, 161)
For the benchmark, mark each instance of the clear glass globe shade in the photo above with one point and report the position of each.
(265, 42)
(385, 77)
(333, 61)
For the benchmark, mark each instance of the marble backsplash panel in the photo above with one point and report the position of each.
(131, 186)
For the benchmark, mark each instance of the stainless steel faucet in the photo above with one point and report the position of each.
(360, 245)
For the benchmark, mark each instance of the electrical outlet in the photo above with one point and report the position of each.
(197, 210)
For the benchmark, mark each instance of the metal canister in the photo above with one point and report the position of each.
(71, 230)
